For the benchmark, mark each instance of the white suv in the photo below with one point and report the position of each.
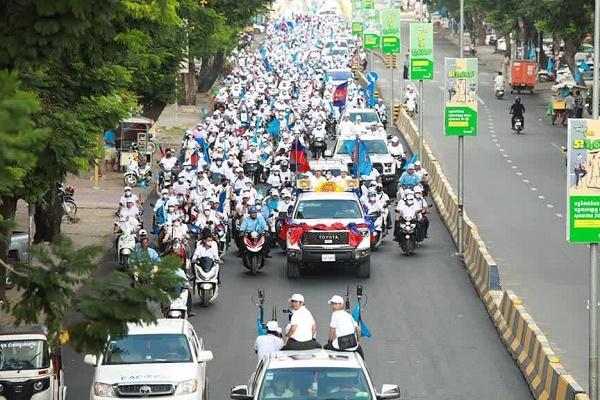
(312, 374)
(165, 360)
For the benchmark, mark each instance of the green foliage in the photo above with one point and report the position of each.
(65, 281)
(18, 134)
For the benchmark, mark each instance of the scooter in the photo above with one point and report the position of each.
(221, 238)
(177, 308)
(253, 257)
(136, 174)
(67, 200)
(407, 235)
(125, 246)
(206, 280)
(499, 92)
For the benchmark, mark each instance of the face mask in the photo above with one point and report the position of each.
(188, 168)
(207, 213)
(180, 180)
(127, 193)
(176, 223)
(165, 196)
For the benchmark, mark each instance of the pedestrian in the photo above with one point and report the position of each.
(270, 343)
(578, 104)
(344, 332)
(110, 150)
(302, 328)
(406, 66)
(569, 106)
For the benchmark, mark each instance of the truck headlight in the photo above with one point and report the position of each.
(187, 387)
(104, 390)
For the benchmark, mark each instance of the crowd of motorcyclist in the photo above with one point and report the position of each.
(233, 179)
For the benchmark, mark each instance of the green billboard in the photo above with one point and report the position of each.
(421, 51)
(460, 97)
(371, 40)
(368, 4)
(583, 185)
(358, 26)
(390, 31)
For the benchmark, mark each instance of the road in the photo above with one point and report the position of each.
(515, 192)
(431, 333)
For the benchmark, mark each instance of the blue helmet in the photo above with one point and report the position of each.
(252, 210)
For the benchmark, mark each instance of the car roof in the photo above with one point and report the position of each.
(314, 358)
(162, 326)
(365, 136)
(23, 330)
(327, 195)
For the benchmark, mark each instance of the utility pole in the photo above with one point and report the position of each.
(461, 150)
(593, 339)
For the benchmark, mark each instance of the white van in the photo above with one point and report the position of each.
(165, 360)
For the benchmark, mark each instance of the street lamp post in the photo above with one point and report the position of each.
(461, 151)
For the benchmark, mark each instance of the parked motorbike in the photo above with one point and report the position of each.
(253, 257)
(125, 246)
(65, 194)
(499, 92)
(136, 174)
(407, 235)
(206, 272)
(177, 308)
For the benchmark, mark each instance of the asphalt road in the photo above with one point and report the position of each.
(515, 191)
(431, 333)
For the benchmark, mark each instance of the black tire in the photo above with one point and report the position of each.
(205, 296)
(293, 269)
(70, 208)
(363, 269)
(9, 283)
(130, 180)
(254, 264)
(125, 261)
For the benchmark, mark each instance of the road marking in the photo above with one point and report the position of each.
(514, 167)
(497, 144)
(557, 147)
(541, 197)
(526, 180)
(504, 155)
(533, 189)
(549, 206)
(494, 140)
(559, 215)
(492, 131)
(519, 173)
(480, 100)
(509, 161)
(501, 149)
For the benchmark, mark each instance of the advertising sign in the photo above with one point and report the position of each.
(421, 51)
(368, 4)
(357, 17)
(390, 31)
(370, 40)
(583, 183)
(460, 97)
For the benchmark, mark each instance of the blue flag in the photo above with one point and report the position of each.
(363, 327)
(361, 162)
(412, 160)
(274, 127)
(371, 91)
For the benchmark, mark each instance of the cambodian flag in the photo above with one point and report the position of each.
(298, 160)
(339, 95)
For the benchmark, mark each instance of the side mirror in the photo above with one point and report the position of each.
(90, 359)
(205, 356)
(389, 392)
(240, 393)
(327, 153)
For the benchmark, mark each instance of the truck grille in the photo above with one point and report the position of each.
(145, 390)
(325, 237)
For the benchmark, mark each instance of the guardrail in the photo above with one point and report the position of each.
(526, 343)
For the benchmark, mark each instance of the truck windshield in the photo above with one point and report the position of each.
(328, 208)
(373, 146)
(23, 354)
(315, 383)
(147, 349)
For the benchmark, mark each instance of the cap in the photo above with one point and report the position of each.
(252, 210)
(395, 139)
(164, 191)
(273, 326)
(143, 232)
(417, 162)
(127, 188)
(296, 297)
(410, 166)
(336, 299)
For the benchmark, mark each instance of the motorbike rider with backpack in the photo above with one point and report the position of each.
(517, 110)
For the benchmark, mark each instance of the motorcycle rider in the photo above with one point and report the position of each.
(168, 162)
(406, 208)
(272, 200)
(286, 173)
(384, 202)
(188, 173)
(422, 204)
(240, 180)
(274, 180)
(254, 222)
(423, 177)
(319, 134)
(181, 186)
(499, 81)
(128, 195)
(130, 210)
(409, 178)
(517, 110)
(396, 150)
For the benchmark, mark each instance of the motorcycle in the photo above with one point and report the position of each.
(125, 246)
(253, 257)
(518, 124)
(407, 235)
(220, 235)
(330, 126)
(206, 272)
(66, 199)
(499, 92)
(265, 168)
(177, 247)
(177, 308)
(378, 219)
(319, 147)
(251, 171)
(136, 173)
(166, 178)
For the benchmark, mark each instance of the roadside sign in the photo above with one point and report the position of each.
(421, 51)
(390, 31)
(357, 27)
(372, 76)
(460, 97)
(368, 4)
(357, 17)
(371, 40)
(583, 185)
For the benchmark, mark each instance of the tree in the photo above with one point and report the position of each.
(19, 137)
(64, 281)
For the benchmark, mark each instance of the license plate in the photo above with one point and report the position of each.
(327, 257)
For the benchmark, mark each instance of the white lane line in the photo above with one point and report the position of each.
(541, 197)
(505, 155)
(525, 180)
(480, 100)
(509, 161)
(494, 140)
(497, 144)
(519, 173)
(493, 131)
(549, 206)
(533, 189)
(501, 150)
(514, 167)
(559, 215)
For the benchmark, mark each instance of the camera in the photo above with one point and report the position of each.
(359, 290)
(288, 312)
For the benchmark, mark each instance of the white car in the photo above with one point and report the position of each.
(368, 117)
(165, 360)
(338, 76)
(314, 374)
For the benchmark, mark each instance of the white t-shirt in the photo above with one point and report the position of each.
(304, 321)
(266, 345)
(344, 324)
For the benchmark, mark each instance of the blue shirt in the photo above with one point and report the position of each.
(407, 179)
(110, 138)
(152, 254)
(250, 225)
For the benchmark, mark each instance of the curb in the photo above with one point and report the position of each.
(526, 343)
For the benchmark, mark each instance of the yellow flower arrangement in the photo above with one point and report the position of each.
(329, 186)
